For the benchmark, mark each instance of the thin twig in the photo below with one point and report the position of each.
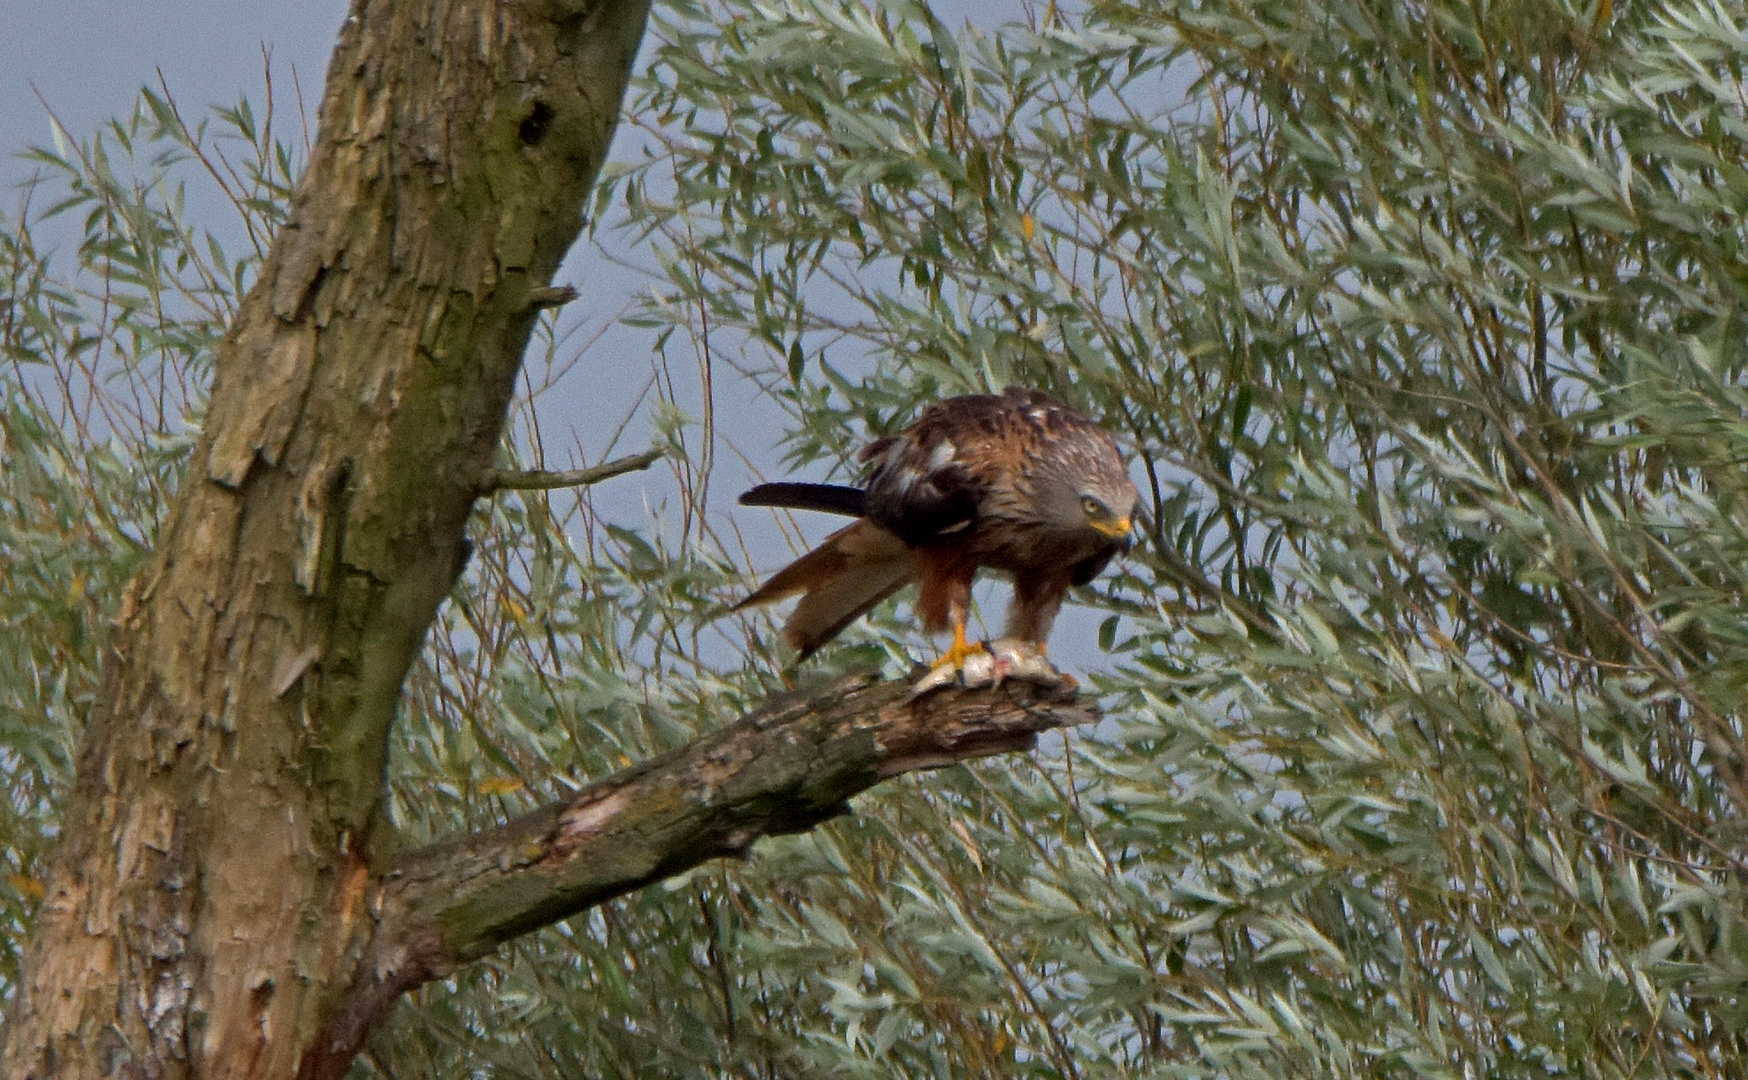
(543, 480)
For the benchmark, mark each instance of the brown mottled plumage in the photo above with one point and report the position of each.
(1017, 482)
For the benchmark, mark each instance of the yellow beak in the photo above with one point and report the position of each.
(1114, 529)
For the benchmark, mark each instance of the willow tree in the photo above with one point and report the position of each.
(1423, 324)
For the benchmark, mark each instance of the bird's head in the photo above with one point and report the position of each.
(1085, 489)
(1104, 518)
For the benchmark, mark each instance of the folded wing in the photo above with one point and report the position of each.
(855, 568)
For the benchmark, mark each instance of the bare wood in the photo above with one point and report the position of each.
(542, 480)
(784, 768)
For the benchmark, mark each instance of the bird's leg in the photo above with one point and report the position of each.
(1020, 651)
(956, 592)
(961, 649)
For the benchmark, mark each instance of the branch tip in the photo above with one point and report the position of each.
(550, 296)
(544, 480)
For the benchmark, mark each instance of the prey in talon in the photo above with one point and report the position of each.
(1015, 482)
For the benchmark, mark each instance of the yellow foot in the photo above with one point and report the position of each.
(958, 653)
(964, 661)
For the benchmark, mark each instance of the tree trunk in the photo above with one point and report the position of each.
(205, 912)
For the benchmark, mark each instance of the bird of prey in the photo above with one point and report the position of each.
(1016, 482)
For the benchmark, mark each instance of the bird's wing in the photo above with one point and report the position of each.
(841, 579)
(929, 481)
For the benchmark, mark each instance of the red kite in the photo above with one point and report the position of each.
(1017, 482)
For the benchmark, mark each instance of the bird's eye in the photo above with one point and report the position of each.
(1093, 508)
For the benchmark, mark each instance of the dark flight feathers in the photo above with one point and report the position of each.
(830, 498)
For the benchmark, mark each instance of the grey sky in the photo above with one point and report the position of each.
(88, 61)
(85, 64)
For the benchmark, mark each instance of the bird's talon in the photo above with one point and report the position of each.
(965, 663)
(958, 653)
